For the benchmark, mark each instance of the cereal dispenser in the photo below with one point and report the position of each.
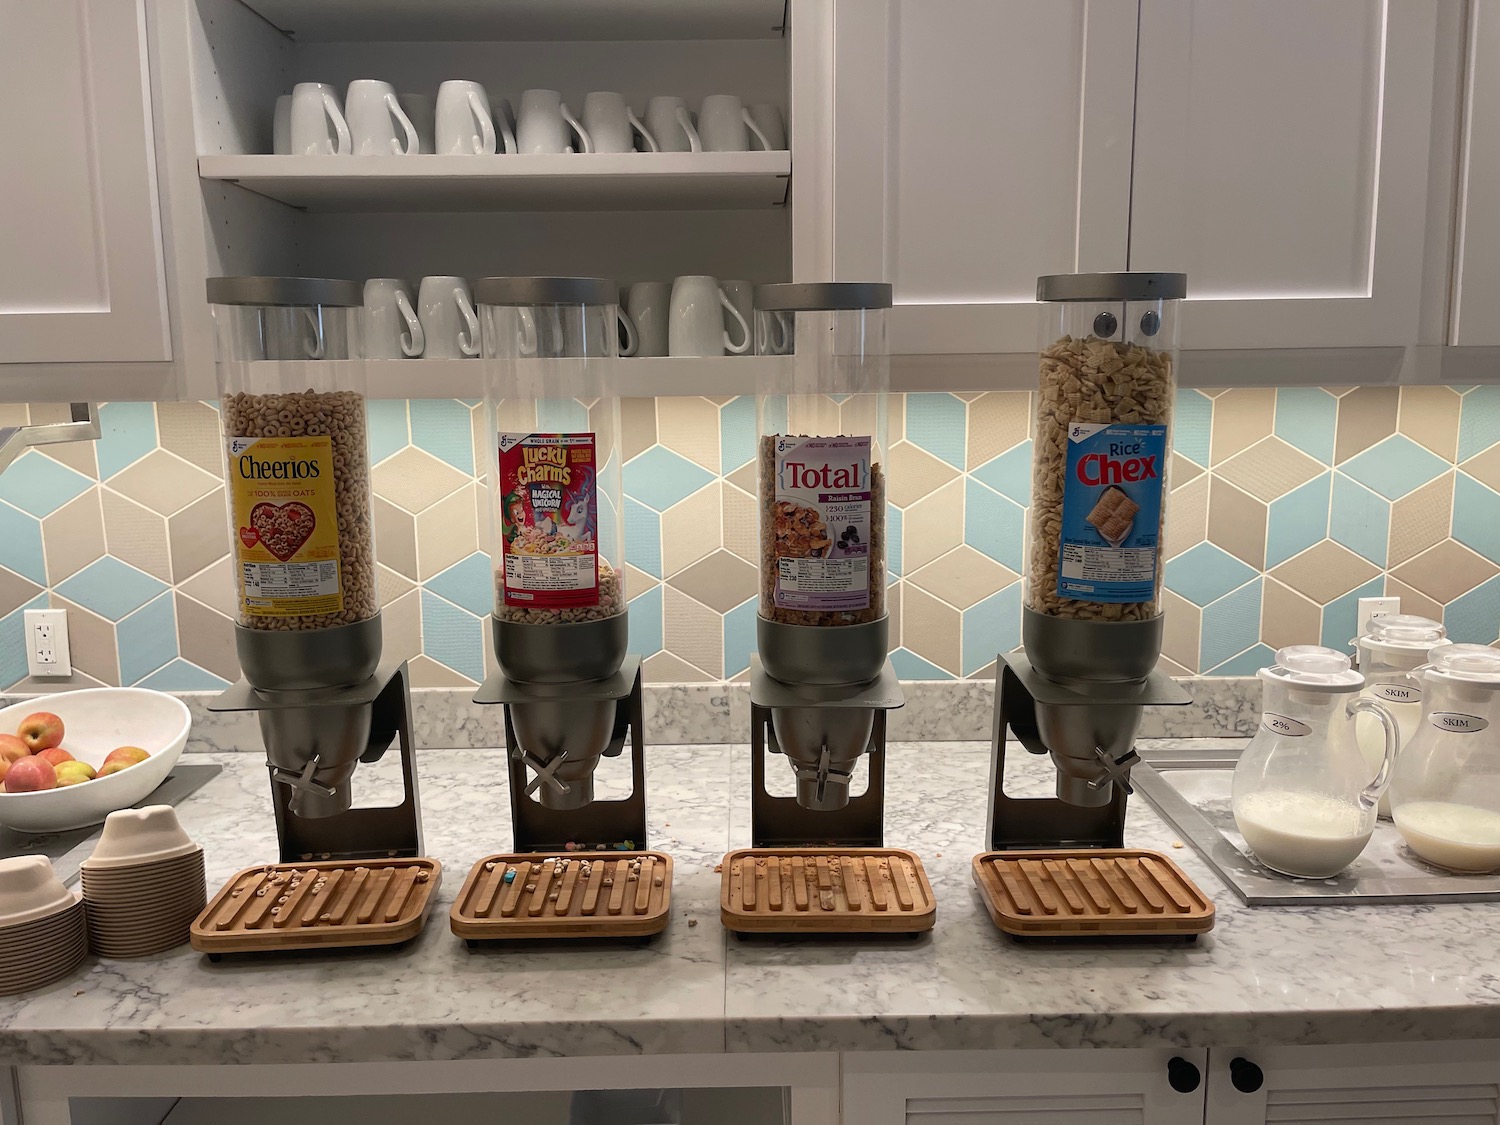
(308, 634)
(571, 693)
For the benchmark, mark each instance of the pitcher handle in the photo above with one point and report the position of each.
(1371, 794)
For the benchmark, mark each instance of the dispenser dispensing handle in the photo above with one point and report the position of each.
(1371, 794)
(303, 781)
(543, 771)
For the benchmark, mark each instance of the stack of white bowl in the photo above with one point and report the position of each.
(42, 935)
(144, 884)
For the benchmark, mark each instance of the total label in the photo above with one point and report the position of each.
(1110, 541)
(549, 520)
(821, 523)
(1458, 723)
(1284, 726)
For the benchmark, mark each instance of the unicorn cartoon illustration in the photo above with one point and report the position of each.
(575, 520)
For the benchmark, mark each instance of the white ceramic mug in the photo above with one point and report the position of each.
(505, 125)
(544, 122)
(772, 126)
(649, 304)
(318, 125)
(391, 327)
(377, 123)
(281, 126)
(724, 125)
(629, 340)
(448, 318)
(773, 333)
(696, 323)
(464, 126)
(671, 125)
(741, 296)
(611, 123)
(423, 117)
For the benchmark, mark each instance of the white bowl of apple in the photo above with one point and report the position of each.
(77, 756)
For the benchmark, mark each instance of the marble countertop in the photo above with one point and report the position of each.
(1264, 975)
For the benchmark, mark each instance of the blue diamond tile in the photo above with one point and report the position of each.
(910, 666)
(993, 525)
(659, 478)
(739, 636)
(127, 432)
(452, 637)
(1474, 618)
(645, 622)
(608, 532)
(1341, 615)
(13, 642)
(468, 583)
(643, 538)
(893, 541)
(110, 588)
(39, 485)
(1009, 474)
(389, 432)
(561, 416)
(736, 433)
(1478, 421)
(146, 639)
(1192, 425)
(1305, 420)
(1247, 663)
(1204, 573)
(1476, 516)
(1395, 467)
(1359, 519)
(180, 675)
(21, 544)
(938, 423)
(444, 427)
(1296, 521)
(1230, 625)
(991, 627)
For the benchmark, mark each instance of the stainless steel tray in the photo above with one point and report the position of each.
(1190, 790)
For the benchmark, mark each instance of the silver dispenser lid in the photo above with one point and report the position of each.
(823, 296)
(285, 291)
(1111, 287)
(546, 291)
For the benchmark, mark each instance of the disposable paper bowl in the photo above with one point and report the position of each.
(30, 889)
(134, 837)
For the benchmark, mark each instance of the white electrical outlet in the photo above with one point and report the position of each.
(47, 643)
(1371, 609)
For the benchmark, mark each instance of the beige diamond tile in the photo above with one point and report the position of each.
(1485, 467)
(984, 674)
(91, 642)
(1413, 600)
(206, 637)
(1324, 572)
(14, 414)
(693, 632)
(1268, 469)
(896, 419)
(395, 538)
(962, 577)
(690, 426)
(997, 421)
(932, 526)
(15, 591)
(35, 685)
(1288, 618)
(1182, 471)
(930, 629)
(1429, 416)
(446, 533)
(637, 581)
(485, 455)
(1241, 417)
(690, 530)
(741, 523)
(638, 425)
(391, 584)
(401, 622)
(163, 482)
(414, 479)
(1446, 571)
(915, 473)
(428, 673)
(664, 668)
(79, 455)
(1366, 415)
(74, 536)
(136, 534)
(1172, 668)
(1237, 523)
(1421, 519)
(895, 594)
(1181, 624)
(719, 581)
(1187, 516)
(746, 478)
(196, 535)
(191, 430)
(214, 586)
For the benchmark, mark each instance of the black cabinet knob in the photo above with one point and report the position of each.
(1183, 1076)
(1245, 1076)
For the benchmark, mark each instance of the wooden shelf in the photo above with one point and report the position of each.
(624, 181)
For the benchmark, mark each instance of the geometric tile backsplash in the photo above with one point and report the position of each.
(1287, 506)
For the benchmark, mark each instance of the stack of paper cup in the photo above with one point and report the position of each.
(42, 936)
(144, 884)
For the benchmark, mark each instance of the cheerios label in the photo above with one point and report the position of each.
(549, 517)
(286, 528)
(821, 523)
(1110, 542)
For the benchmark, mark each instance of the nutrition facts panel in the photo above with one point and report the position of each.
(267, 583)
(1082, 564)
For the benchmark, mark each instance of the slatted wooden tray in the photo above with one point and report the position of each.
(1090, 892)
(825, 890)
(565, 895)
(319, 905)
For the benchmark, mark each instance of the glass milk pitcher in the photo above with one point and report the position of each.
(1446, 793)
(1304, 798)
(1394, 647)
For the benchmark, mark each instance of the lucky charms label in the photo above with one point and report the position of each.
(286, 539)
(549, 519)
(822, 523)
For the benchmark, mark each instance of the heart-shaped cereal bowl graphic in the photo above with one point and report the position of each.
(283, 528)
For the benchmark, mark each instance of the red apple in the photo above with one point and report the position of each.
(57, 756)
(28, 775)
(74, 773)
(12, 748)
(130, 755)
(41, 731)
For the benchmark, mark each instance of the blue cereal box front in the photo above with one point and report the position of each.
(1111, 512)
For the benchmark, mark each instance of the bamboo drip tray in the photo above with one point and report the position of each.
(343, 903)
(565, 895)
(1091, 892)
(825, 890)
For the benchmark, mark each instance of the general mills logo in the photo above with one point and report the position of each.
(1078, 431)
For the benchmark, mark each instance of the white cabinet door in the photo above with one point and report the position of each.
(975, 144)
(1402, 1084)
(1104, 1087)
(80, 233)
(1282, 154)
(1476, 275)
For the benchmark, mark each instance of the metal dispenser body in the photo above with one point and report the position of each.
(308, 637)
(571, 693)
(821, 683)
(1091, 625)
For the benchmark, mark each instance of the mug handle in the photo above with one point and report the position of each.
(315, 346)
(528, 339)
(694, 144)
(413, 340)
(507, 135)
(783, 333)
(583, 134)
(765, 143)
(343, 146)
(395, 110)
(639, 127)
(744, 328)
(469, 347)
(486, 137)
(632, 341)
